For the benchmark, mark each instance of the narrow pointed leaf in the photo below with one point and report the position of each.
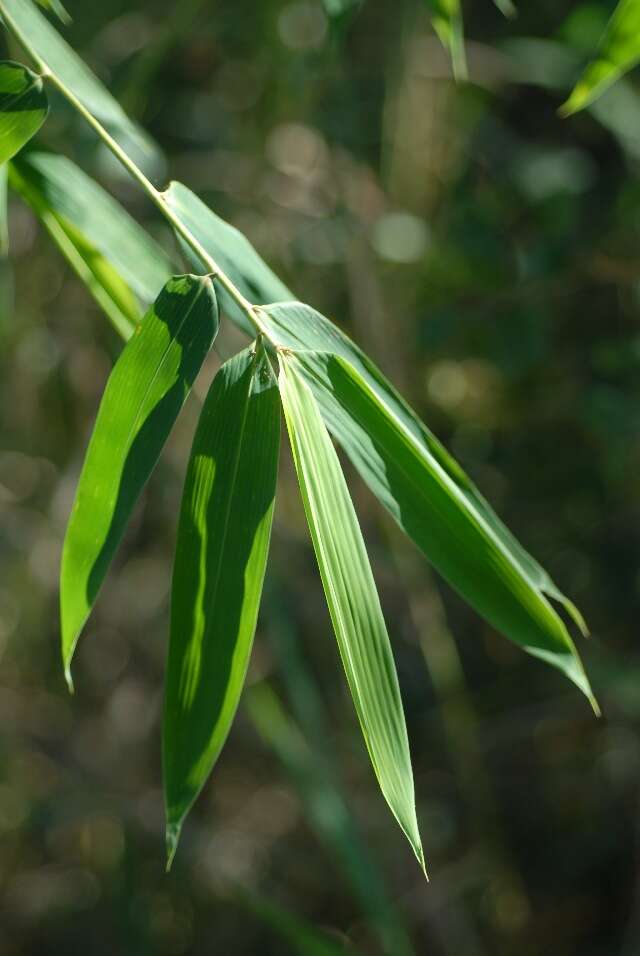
(352, 598)
(446, 17)
(38, 35)
(426, 491)
(231, 250)
(221, 554)
(144, 394)
(619, 52)
(23, 108)
(57, 8)
(103, 233)
(300, 328)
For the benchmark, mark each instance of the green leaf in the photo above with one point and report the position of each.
(221, 555)
(619, 52)
(425, 490)
(23, 108)
(507, 8)
(36, 33)
(56, 7)
(118, 255)
(144, 394)
(300, 328)
(446, 17)
(352, 598)
(231, 250)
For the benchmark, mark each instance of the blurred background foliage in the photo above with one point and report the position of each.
(486, 253)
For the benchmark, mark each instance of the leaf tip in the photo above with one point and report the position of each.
(68, 677)
(172, 837)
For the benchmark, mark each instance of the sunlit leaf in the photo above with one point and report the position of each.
(118, 255)
(23, 107)
(619, 52)
(352, 598)
(144, 394)
(56, 7)
(231, 250)
(221, 555)
(426, 491)
(446, 16)
(56, 55)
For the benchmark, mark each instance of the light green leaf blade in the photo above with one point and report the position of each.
(619, 52)
(57, 8)
(446, 17)
(23, 107)
(425, 490)
(122, 257)
(144, 394)
(352, 598)
(221, 555)
(54, 53)
(231, 250)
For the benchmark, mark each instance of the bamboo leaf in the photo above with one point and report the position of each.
(619, 52)
(104, 244)
(23, 107)
(56, 55)
(352, 598)
(426, 491)
(300, 328)
(446, 17)
(57, 8)
(141, 402)
(231, 250)
(221, 554)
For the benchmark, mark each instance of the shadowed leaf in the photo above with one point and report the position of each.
(57, 8)
(23, 108)
(55, 53)
(144, 394)
(115, 253)
(221, 554)
(352, 598)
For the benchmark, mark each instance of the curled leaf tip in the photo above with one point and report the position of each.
(69, 678)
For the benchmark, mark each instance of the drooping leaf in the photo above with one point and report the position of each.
(231, 250)
(619, 52)
(426, 491)
(120, 256)
(300, 328)
(144, 394)
(446, 17)
(56, 7)
(352, 598)
(23, 107)
(221, 555)
(42, 39)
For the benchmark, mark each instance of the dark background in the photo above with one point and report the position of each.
(485, 252)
